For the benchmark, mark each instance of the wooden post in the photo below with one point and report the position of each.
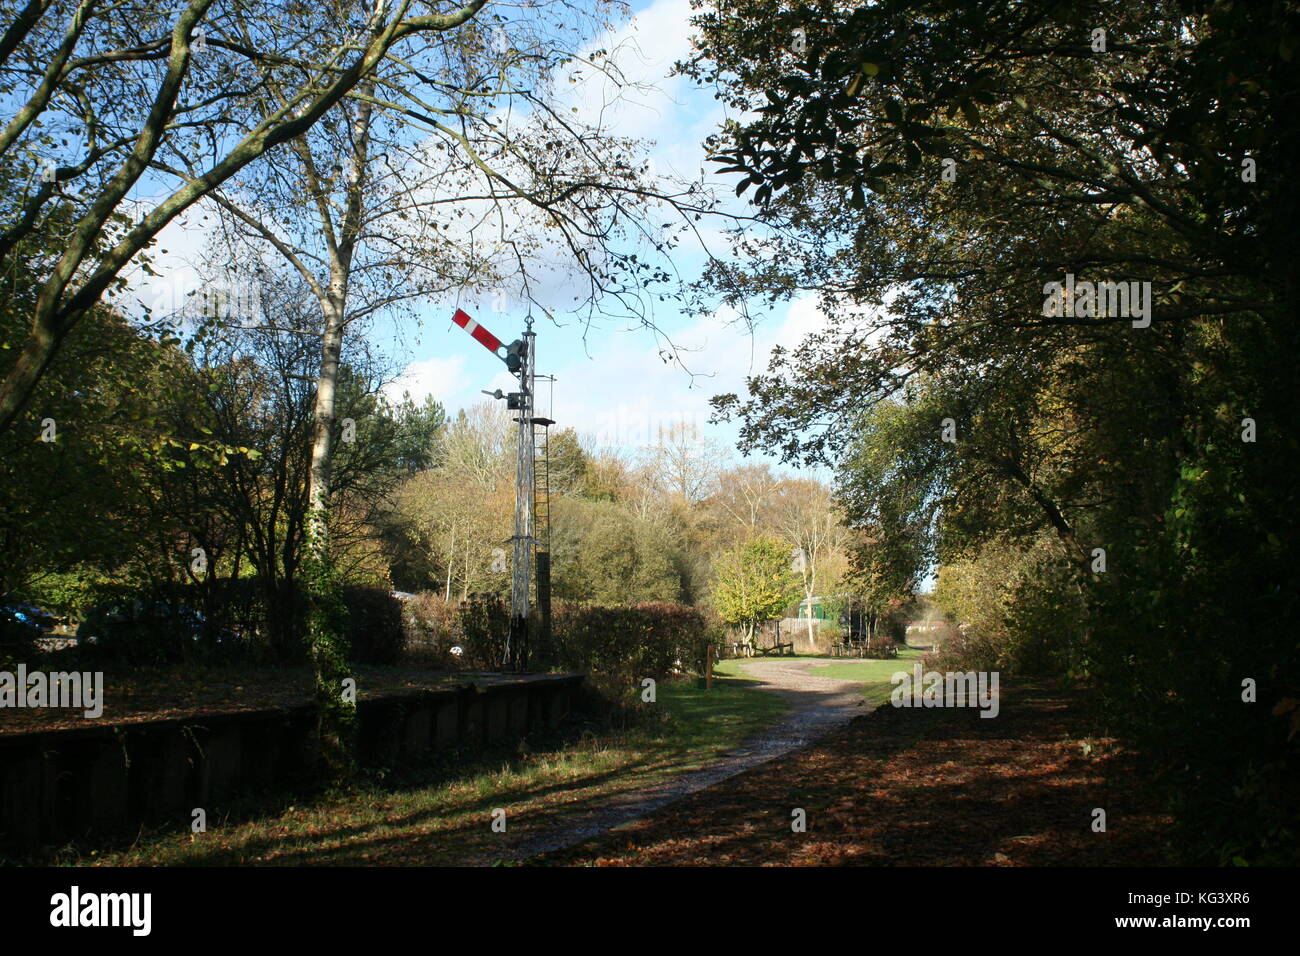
(708, 667)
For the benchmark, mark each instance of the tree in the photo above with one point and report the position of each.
(451, 523)
(99, 102)
(255, 392)
(608, 475)
(967, 409)
(745, 502)
(76, 479)
(486, 142)
(754, 584)
(605, 555)
(808, 520)
(459, 531)
(683, 463)
(478, 448)
(567, 463)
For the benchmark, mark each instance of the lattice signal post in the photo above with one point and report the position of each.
(531, 497)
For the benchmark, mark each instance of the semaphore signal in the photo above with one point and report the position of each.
(520, 360)
(480, 334)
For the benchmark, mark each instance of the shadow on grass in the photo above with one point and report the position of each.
(410, 844)
(442, 814)
(396, 819)
(915, 788)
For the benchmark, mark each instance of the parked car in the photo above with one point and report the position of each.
(150, 626)
(28, 617)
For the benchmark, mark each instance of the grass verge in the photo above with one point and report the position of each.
(415, 820)
(873, 674)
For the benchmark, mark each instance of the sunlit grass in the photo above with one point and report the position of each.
(450, 820)
(874, 674)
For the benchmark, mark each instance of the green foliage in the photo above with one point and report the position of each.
(419, 430)
(1020, 608)
(618, 647)
(439, 536)
(754, 583)
(605, 555)
(568, 464)
(1072, 433)
(72, 593)
(327, 636)
(893, 482)
(615, 646)
(376, 633)
(633, 641)
(484, 622)
(86, 497)
(160, 450)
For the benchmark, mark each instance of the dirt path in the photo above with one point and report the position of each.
(918, 788)
(818, 705)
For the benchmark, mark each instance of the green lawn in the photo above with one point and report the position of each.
(448, 820)
(867, 670)
(874, 674)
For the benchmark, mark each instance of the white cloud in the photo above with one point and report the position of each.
(626, 391)
(616, 386)
(648, 102)
(174, 257)
(446, 379)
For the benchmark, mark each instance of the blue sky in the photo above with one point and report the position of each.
(611, 382)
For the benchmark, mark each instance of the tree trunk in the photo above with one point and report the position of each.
(451, 563)
(321, 447)
(327, 614)
(810, 591)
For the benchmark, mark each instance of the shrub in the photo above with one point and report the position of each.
(892, 624)
(140, 630)
(956, 649)
(604, 555)
(881, 647)
(619, 646)
(376, 632)
(167, 624)
(1020, 609)
(484, 622)
(431, 619)
(615, 646)
(71, 594)
(433, 628)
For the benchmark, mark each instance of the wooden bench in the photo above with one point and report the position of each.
(777, 649)
(860, 649)
(734, 649)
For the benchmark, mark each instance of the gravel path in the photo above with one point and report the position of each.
(818, 705)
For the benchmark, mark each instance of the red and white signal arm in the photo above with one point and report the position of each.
(480, 334)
